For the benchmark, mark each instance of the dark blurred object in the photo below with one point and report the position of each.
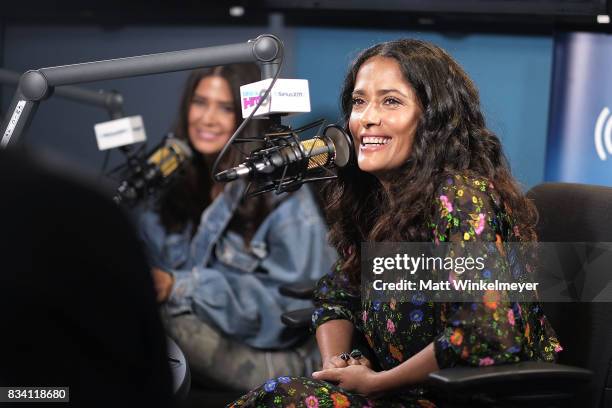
(76, 296)
(179, 368)
(542, 7)
(458, 16)
(514, 16)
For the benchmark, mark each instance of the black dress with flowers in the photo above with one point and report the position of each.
(494, 331)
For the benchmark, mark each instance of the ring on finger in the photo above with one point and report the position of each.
(356, 354)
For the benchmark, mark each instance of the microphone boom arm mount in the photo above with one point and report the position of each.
(112, 100)
(37, 85)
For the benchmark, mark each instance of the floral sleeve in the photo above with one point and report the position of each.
(335, 298)
(486, 330)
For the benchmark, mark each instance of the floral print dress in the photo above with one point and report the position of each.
(494, 331)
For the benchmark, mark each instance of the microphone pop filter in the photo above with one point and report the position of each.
(343, 144)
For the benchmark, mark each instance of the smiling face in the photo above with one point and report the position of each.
(211, 117)
(384, 116)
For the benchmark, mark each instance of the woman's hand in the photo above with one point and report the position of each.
(338, 362)
(163, 282)
(334, 362)
(356, 378)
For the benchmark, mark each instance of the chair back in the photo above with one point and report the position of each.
(579, 213)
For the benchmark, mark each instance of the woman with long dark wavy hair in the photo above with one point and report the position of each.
(427, 170)
(218, 259)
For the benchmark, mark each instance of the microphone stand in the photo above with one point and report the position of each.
(112, 101)
(37, 85)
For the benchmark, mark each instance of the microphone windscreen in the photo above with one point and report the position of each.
(317, 151)
(169, 157)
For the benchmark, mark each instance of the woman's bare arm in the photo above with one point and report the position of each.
(334, 338)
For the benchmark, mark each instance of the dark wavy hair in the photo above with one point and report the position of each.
(451, 137)
(191, 194)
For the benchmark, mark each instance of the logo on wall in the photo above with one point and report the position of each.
(603, 133)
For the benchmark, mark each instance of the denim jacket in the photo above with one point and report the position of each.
(233, 287)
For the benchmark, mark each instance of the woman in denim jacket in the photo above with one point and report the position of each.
(218, 260)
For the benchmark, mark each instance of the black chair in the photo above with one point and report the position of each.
(580, 213)
(583, 377)
(298, 319)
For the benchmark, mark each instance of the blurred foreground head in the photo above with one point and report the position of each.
(76, 297)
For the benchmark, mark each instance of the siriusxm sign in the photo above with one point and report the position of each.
(287, 96)
(579, 147)
(251, 98)
(603, 134)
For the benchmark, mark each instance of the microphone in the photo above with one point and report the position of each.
(290, 160)
(144, 178)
